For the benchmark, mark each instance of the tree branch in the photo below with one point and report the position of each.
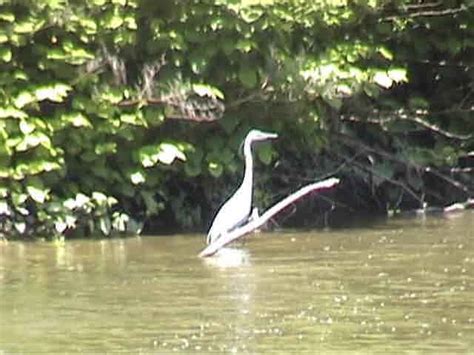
(423, 6)
(383, 119)
(383, 153)
(427, 13)
(386, 178)
(255, 223)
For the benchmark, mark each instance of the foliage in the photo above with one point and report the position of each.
(104, 105)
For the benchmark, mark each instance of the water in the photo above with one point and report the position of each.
(404, 285)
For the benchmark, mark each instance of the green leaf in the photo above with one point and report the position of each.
(29, 26)
(21, 226)
(76, 119)
(198, 63)
(20, 75)
(38, 194)
(386, 53)
(383, 80)
(10, 112)
(3, 38)
(398, 75)
(131, 23)
(3, 192)
(165, 153)
(26, 127)
(226, 156)
(251, 14)
(24, 98)
(229, 123)
(120, 221)
(192, 169)
(152, 207)
(105, 225)
(215, 168)
(55, 92)
(106, 148)
(5, 172)
(89, 25)
(418, 102)
(80, 201)
(56, 54)
(113, 21)
(112, 95)
(207, 90)
(7, 17)
(100, 198)
(76, 54)
(135, 119)
(245, 45)
(138, 177)
(169, 152)
(5, 54)
(248, 77)
(265, 153)
(154, 116)
(19, 199)
(60, 225)
(371, 90)
(34, 167)
(33, 140)
(24, 27)
(4, 208)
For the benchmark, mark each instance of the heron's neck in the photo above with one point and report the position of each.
(248, 175)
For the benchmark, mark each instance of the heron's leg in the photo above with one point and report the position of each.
(254, 215)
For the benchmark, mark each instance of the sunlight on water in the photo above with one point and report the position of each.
(405, 285)
(228, 257)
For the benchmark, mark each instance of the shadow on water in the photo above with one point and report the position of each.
(406, 284)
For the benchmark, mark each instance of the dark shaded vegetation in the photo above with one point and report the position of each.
(119, 114)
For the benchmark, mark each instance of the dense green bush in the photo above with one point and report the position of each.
(112, 111)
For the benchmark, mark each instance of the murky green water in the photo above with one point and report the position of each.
(407, 285)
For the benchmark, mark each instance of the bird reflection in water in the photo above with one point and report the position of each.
(229, 258)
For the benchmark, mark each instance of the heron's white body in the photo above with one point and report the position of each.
(237, 209)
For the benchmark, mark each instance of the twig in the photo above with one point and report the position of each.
(255, 223)
(423, 6)
(243, 100)
(401, 116)
(427, 13)
(436, 129)
(190, 115)
(383, 153)
(392, 181)
(453, 182)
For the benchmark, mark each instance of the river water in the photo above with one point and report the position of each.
(401, 285)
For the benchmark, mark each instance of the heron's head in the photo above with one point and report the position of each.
(256, 135)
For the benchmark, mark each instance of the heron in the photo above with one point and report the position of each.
(237, 209)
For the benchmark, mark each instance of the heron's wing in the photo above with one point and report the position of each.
(232, 214)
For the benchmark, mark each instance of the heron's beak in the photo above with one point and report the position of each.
(267, 135)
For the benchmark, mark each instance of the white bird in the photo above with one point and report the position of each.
(236, 210)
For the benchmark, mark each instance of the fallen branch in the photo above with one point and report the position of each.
(460, 206)
(255, 223)
(455, 207)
